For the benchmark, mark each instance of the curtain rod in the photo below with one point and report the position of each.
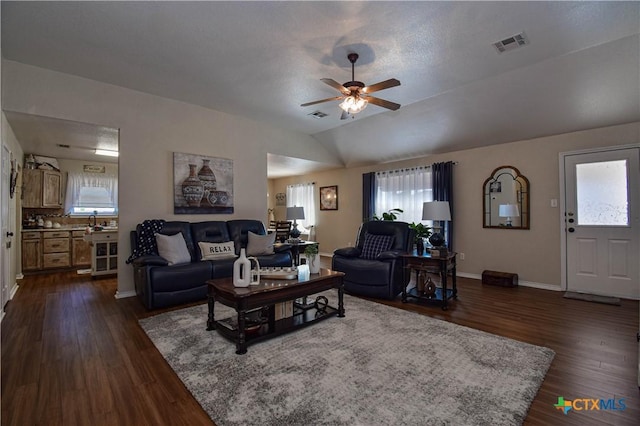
(303, 183)
(428, 166)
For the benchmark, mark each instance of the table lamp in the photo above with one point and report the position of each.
(294, 213)
(436, 211)
(508, 211)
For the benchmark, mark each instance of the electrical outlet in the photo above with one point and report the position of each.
(461, 256)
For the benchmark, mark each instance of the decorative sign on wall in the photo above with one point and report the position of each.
(281, 199)
(93, 168)
(201, 184)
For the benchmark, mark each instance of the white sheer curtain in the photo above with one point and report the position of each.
(91, 191)
(405, 189)
(303, 195)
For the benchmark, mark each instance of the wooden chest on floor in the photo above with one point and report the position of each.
(502, 279)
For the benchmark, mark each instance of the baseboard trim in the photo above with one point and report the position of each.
(124, 294)
(14, 290)
(532, 284)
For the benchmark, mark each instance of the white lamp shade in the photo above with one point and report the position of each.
(294, 213)
(508, 210)
(436, 210)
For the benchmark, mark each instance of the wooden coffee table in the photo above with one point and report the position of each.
(259, 308)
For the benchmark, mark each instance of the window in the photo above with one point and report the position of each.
(89, 192)
(303, 195)
(405, 189)
(602, 193)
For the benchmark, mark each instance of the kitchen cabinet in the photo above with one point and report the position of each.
(42, 189)
(31, 251)
(55, 249)
(104, 254)
(80, 249)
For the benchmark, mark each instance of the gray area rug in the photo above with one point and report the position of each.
(592, 298)
(377, 366)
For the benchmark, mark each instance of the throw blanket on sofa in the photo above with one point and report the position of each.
(146, 243)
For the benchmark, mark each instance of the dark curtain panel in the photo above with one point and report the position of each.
(368, 195)
(443, 191)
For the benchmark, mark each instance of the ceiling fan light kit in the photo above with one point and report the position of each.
(355, 95)
(353, 104)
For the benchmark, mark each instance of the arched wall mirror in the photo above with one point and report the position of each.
(505, 200)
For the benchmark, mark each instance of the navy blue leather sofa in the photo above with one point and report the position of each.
(159, 284)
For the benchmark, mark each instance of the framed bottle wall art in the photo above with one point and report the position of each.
(329, 197)
(201, 184)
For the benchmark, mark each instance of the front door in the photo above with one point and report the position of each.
(602, 222)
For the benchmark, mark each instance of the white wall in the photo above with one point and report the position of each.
(151, 129)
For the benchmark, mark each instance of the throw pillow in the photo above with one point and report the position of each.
(375, 244)
(173, 248)
(212, 251)
(260, 244)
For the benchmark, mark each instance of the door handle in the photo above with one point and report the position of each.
(571, 229)
(9, 234)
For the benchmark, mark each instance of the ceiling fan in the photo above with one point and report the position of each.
(355, 94)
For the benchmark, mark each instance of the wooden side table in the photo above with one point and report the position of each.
(441, 265)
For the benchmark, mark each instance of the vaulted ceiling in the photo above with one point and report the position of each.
(261, 60)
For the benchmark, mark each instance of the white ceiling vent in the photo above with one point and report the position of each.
(318, 114)
(510, 43)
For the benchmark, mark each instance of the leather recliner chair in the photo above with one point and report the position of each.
(380, 277)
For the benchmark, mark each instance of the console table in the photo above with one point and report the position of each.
(441, 265)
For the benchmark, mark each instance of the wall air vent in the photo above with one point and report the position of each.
(510, 43)
(318, 114)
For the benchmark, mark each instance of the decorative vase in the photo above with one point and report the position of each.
(314, 263)
(242, 270)
(420, 246)
(192, 188)
(255, 271)
(208, 179)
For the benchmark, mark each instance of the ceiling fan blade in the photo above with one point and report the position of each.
(383, 103)
(392, 82)
(331, 82)
(335, 98)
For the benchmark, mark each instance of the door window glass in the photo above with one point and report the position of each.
(602, 193)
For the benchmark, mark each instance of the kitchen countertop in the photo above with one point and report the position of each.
(70, 228)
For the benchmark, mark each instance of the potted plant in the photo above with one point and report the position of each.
(390, 215)
(422, 232)
(313, 258)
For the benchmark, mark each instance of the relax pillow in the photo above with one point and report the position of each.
(260, 244)
(375, 244)
(173, 248)
(212, 251)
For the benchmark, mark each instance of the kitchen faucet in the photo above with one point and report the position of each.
(95, 219)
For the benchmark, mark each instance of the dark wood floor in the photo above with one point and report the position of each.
(73, 354)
